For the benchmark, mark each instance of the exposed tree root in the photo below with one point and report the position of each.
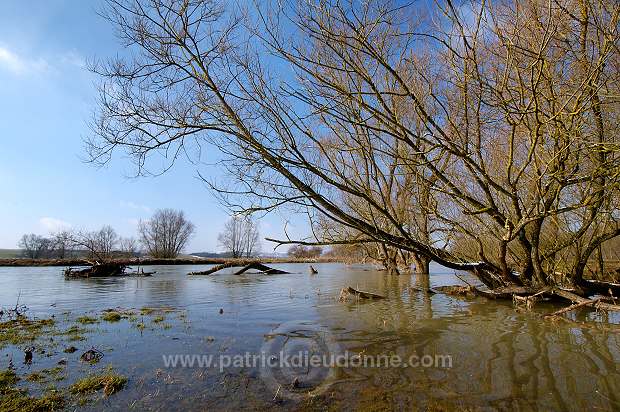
(525, 297)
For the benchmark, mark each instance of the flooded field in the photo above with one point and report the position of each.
(492, 356)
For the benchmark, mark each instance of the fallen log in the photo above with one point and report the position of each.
(214, 269)
(259, 266)
(246, 266)
(601, 287)
(346, 292)
(573, 297)
(140, 274)
(574, 306)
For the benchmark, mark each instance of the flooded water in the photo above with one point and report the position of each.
(499, 358)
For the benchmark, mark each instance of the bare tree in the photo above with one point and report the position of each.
(99, 244)
(301, 251)
(34, 246)
(497, 121)
(61, 243)
(240, 237)
(128, 246)
(166, 233)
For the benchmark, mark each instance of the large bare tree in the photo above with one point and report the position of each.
(480, 135)
(166, 234)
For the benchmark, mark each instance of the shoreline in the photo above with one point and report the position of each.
(20, 262)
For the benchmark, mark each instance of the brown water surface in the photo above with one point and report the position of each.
(501, 359)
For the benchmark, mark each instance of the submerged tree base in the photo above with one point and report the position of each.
(527, 297)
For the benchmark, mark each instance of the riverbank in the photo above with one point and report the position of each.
(154, 261)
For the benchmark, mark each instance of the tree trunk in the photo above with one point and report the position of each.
(422, 264)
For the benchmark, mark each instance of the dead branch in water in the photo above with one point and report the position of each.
(573, 297)
(246, 265)
(349, 291)
(575, 306)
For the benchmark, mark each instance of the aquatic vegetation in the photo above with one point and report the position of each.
(74, 333)
(158, 319)
(56, 373)
(109, 382)
(23, 330)
(14, 399)
(35, 377)
(74, 330)
(76, 338)
(147, 311)
(87, 320)
(18, 400)
(8, 377)
(111, 316)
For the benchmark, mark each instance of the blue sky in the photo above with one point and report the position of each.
(46, 99)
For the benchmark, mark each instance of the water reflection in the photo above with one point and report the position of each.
(501, 359)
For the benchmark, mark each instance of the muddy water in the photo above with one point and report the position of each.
(499, 358)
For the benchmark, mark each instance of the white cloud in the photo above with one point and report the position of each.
(51, 224)
(73, 58)
(20, 65)
(135, 206)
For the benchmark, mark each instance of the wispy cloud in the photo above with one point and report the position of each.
(51, 224)
(19, 65)
(73, 58)
(135, 206)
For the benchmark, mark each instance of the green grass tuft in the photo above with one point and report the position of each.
(109, 382)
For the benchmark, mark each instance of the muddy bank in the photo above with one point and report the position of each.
(153, 261)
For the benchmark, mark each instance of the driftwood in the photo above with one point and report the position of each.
(574, 306)
(260, 267)
(97, 270)
(246, 266)
(573, 297)
(140, 274)
(313, 271)
(471, 291)
(349, 291)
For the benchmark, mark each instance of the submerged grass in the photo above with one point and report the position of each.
(23, 330)
(109, 382)
(18, 400)
(8, 378)
(14, 399)
(87, 320)
(111, 316)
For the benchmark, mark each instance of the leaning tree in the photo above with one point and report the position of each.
(479, 135)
